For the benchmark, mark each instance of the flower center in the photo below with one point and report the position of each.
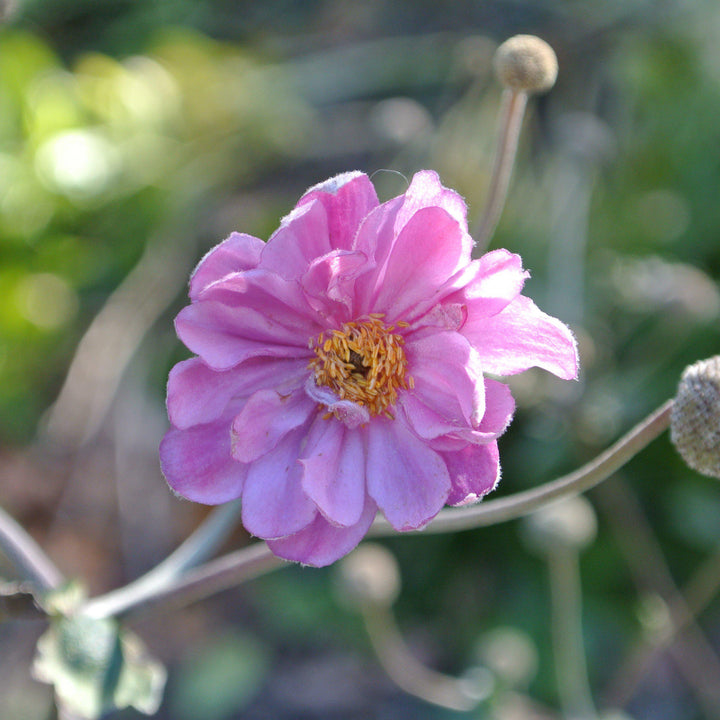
(364, 362)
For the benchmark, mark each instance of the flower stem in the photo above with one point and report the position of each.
(171, 582)
(518, 504)
(568, 645)
(512, 111)
(212, 577)
(197, 547)
(405, 669)
(27, 556)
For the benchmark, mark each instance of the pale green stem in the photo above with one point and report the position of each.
(404, 668)
(568, 645)
(203, 542)
(491, 512)
(215, 576)
(27, 556)
(180, 588)
(512, 111)
(169, 581)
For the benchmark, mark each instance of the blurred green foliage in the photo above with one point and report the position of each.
(124, 122)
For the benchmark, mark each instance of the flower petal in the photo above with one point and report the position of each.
(407, 479)
(302, 236)
(334, 471)
(198, 394)
(426, 190)
(238, 252)
(267, 417)
(224, 336)
(348, 412)
(474, 472)
(428, 251)
(326, 218)
(197, 463)
(498, 279)
(521, 337)
(273, 502)
(329, 284)
(347, 199)
(447, 376)
(320, 543)
(499, 408)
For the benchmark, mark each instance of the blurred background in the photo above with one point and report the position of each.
(136, 135)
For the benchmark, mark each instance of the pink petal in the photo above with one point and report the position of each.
(273, 502)
(334, 476)
(303, 235)
(238, 252)
(283, 301)
(198, 394)
(224, 336)
(427, 252)
(426, 190)
(351, 414)
(474, 472)
(347, 199)
(198, 465)
(447, 376)
(498, 280)
(375, 240)
(521, 337)
(329, 284)
(326, 218)
(407, 479)
(320, 543)
(267, 417)
(499, 408)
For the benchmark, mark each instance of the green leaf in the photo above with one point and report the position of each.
(96, 667)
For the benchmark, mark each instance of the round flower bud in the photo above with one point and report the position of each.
(695, 419)
(370, 574)
(526, 63)
(569, 522)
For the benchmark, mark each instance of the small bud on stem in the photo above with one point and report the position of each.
(695, 420)
(524, 64)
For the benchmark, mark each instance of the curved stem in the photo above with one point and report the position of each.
(512, 112)
(27, 556)
(170, 582)
(518, 504)
(407, 671)
(213, 577)
(200, 545)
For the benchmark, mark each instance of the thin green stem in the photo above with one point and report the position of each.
(406, 670)
(512, 111)
(27, 556)
(491, 512)
(568, 644)
(203, 542)
(170, 582)
(212, 577)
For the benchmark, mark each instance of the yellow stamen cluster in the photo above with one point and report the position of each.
(363, 361)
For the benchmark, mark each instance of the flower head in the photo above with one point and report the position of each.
(341, 367)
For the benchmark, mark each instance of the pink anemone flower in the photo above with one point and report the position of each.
(342, 367)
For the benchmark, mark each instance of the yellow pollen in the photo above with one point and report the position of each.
(364, 362)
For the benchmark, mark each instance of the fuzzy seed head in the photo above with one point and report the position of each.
(525, 63)
(695, 419)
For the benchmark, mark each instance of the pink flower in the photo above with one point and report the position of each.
(342, 367)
